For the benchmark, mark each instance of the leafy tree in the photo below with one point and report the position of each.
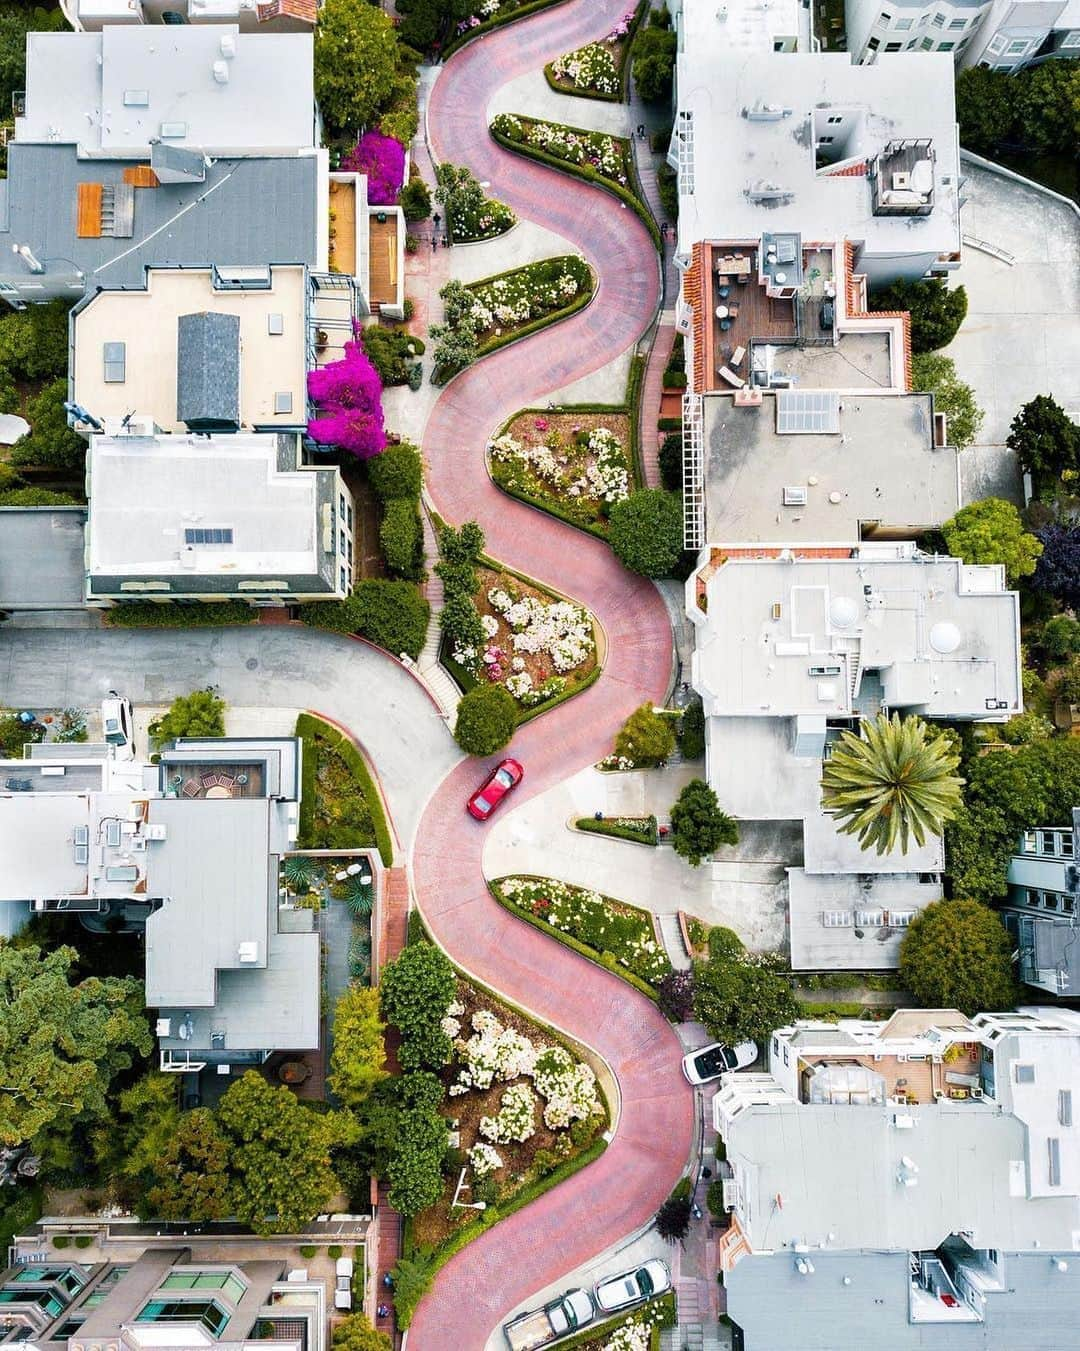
(646, 737)
(1047, 102)
(355, 1333)
(957, 955)
(392, 614)
(1045, 439)
(15, 734)
(936, 310)
(673, 1219)
(985, 108)
(486, 719)
(415, 1168)
(1065, 682)
(140, 1129)
(356, 63)
(62, 1044)
(51, 441)
(279, 1155)
(415, 199)
(892, 783)
(653, 58)
(740, 1001)
(396, 472)
(698, 826)
(200, 713)
(937, 374)
(417, 988)
(1058, 569)
(1060, 637)
(464, 545)
(401, 538)
(15, 22)
(457, 345)
(990, 531)
(192, 1179)
(646, 531)
(412, 1280)
(358, 1056)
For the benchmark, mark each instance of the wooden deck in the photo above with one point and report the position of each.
(141, 176)
(759, 317)
(88, 211)
(343, 227)
(382, 260)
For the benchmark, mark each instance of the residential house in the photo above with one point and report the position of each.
(270, 16)
(214, 517)
(163, 1298)
(794, 645)
(1040, 911)
(912, 1186)
(187, 852)
(1003, 34)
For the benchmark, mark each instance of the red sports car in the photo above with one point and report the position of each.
(506, 775)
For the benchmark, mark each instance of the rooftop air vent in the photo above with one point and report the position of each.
(767, 112)
(795, 497)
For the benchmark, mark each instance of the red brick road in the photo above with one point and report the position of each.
(622, 1190)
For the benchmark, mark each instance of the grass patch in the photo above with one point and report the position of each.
(638, 829)
(340, 806)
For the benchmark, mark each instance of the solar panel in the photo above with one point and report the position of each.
(837, 919)
(805, 411)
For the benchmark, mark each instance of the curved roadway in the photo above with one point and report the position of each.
(622, 1190)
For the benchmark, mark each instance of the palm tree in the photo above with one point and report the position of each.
(893, 782)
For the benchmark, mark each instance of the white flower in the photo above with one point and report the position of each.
(484, 1159)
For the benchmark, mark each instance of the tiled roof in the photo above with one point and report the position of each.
(304, 10)
(697, 276)
(849, 171)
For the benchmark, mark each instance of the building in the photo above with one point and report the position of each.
(1040, 911)
(796, 644)
(186, 851)
(163, 1298)
(912, 1186)
(1003, 34)
(271, 16)
(210, 518)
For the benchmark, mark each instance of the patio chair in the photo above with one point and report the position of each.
(725, 324)
(737, 357)
(733, 311)
(192, 788)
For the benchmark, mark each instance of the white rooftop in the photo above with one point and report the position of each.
(854, 921)
(202, 87)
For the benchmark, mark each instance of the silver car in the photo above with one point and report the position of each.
(619, 1292)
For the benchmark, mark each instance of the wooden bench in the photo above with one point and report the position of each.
(737, 357)
(735, 381)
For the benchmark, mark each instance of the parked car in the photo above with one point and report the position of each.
(558, 1319)
(712, 1061)
(118, 726)
(506, 775)
(619, 1292)
(343, 1284)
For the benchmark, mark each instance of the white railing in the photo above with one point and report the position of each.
(693, 472)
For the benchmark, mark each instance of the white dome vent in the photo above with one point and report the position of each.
(945, 638)
(843, 612)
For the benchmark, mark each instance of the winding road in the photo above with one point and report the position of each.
(622, 1190)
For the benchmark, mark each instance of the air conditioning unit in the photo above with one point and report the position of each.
(159, 831)
(795, 497)
(248, 953)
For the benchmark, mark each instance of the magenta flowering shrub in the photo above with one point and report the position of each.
(349, 395)
(383, 160)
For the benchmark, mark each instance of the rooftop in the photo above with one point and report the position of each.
(41, 557)
(206, 87)
(853, 921)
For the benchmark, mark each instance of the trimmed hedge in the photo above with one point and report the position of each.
(617, 832)
(498, 21)
(588, 175)
(596, 1332)
(148, 615)
(391, 614)
(401, 538)
(308, 726)
(669, 424)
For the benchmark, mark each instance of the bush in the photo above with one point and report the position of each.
(397, 472)
(35, 497)
(667, 183)
(692, 731)
(1047, 100)
(357, 63)
(936, 310)
(1060, 637)
(738, 1000)
(51, 441)
(199, 714)
(486, 718)
(392, 614)
(148, 615)
(1045, 439)
(34, 342)
(957, 955)
(334, 1251)
(670, 460)
(714, 1198)
(673, 1219)
(698, 826)
(647, 530)
(469, 214)
(382, 160)
(412, 1280)
(653, 58)
(985, 107)
(416, 989)
(937, 374)
(401, 538)
(990, 531)
(676, 996)
(349, 398)
(415, 200)
(391, 351)
(61, 1241)
(646, 737)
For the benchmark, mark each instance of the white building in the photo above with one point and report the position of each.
(1003, 34)
(274, 16)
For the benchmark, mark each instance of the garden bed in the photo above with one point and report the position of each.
(572, 463)
(636, 829)
(616, 935)
(340, 806)
(506, 12)
(598, 70)
(650, 1318)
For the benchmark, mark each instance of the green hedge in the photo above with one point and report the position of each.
(392, 614)
(594, 827)
(602, 1330)
(498, 21)
(634, 383)
(147, 615)
(401, 538)
(588, 175)
(307, 728)
(669, 424)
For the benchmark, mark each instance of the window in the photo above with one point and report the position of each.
(825, 140)
(1032, 897)
(283, 401)
(344, 579)
(894, 46)
(836, 119)
(194, 1278)
(115, 357)
(200, 534)
(927, 45)
(1071, 40)
(207, 1312)
(1018, 48)
(957, 24)
(1068, 905)
(1053, 1150)
(996, 44)
(1024, 1074)
(275, 325)
(1029, 841)
(938, 21)
(1065, 844)
(946, 46)
(1050, 901)
(786, 1053)
(778, 44)
(1065, 1106)
(872, 44)
(1046, 841)
(66, 1329)
(886, 18)
(904, 24)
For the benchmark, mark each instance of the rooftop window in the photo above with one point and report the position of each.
(193, 1278)
(207, 1312)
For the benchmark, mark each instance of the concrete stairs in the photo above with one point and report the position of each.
(442, 688)
(672, 939)
(698, 1329)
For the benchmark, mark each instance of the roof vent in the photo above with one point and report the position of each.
(221, 72)
(795, 497)
(248, 953)
(228, 46)
(843, 612)
(945, 637)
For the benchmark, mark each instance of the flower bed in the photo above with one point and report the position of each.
(597, 69)
(638, 829)
(470, 216)
(573, 463)
(618, 935)
(638, 1330)
(486, 17)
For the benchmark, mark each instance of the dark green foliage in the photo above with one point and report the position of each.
(460, 621)
(464, 545)
(340, 801)
(147, 615)
(412, 1280)
(396, 472)
(670, 459)
(401, 538)
(984, 108)
(957, 955)
(698, 826)
(16, 20)
(1037, 108)
(357, 62)
(35, 497)
(191, 1173)
(486, 718)
(14, 735)
(646, 737)
(936, 310)
(647, 530)
(51, 441)
(297, 870)
(415, 199)
(736, 998)
(1060, 637)
(391, 351)
(1045, 439)
(200, 713)
(653, 58)
(937, 374)
(417, 988)
(714, 1198)
(642, 832)
(391, 614)
(692, 731)
(673, 1219)
(667, 182)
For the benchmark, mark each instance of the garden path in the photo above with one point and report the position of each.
(619, 1192)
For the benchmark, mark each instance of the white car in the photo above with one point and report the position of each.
(619, 1292)
(711, 1061)
(118, 727)
(343, 1284)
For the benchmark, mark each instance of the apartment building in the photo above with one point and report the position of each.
(1040, 911)
(1002, 34)
(131, 848)
(269, 16)
(912, 1185)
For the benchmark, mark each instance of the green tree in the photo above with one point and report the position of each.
(692, 731)
(698, 825)
(51, 441)
(279, 1154)
(414, 198)
(892, 783)
(15, 22)
(200, 713)
(670, 460)
(401, 538)
(191, 1173)
(937, 374)
(1045, 439)
(415, 1168)
(417, 988)
(990, 531)
(646, 737)
(985, 108)
(356, 63)
(355, 1333)
(62, 1044)
(138, 1132)
(461, 546)
(957, 955)
(15, 734)
(1060, 637)
(936, 310)
(392, 614)
(456, 346)
(396, 472)
(740, 1001)
(412, 1280)
(653, 58)
(1047, 102)
(359, 1054)
(646, 531)
(486, 718)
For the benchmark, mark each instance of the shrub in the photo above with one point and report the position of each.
(397, 472)
(1045, 439)
(415, 200)
(356, 63)
(469, 214)
(738, 1000)
(417, 988)
(714, 1198)
(391, 351)
(692, 731)
(412, 1280)
(698, 825)
(936, 310)
(990, 531)
(957, 955)
(667, 183)
(1058, 569)
(35, 497)
(382, 159)
(147, 615)
(646, 531)
(671, 462)
(334, 1251)
(985, 107)
(646, 737)
(1060, 637)
(392, 614)
(460, 621)
(676, 996)
(308, 1250)
(653, 58)
(937, 374)
(673, 1219)
(401, 538)
(199, 714)
(51, 441)
(61, 1240)
(486, 718)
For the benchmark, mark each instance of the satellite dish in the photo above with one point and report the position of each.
(944, 637)
(843, 612)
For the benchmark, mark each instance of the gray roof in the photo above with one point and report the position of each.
(779, 1309)
(41, 557)
(248, 211)
(208, 370)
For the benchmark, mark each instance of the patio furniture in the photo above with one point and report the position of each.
(725, 324)
(737, 357)
(721, 311)
(216, 779)
(219, 791)
(18, 785)
(723, 292)
(192, 788)
(735, 381)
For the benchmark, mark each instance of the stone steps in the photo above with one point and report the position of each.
(672, 939)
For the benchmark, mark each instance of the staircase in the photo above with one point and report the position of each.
(442, 688)
(671, 936)
(698, 1329)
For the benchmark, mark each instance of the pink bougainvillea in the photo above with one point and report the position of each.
(349, 395)
(383, 160)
